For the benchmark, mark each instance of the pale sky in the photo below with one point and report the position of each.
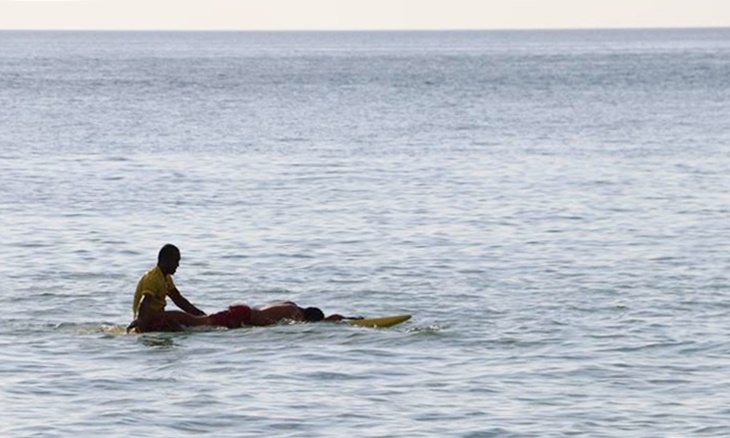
(360, 14)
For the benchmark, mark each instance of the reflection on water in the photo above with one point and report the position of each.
(157, 340)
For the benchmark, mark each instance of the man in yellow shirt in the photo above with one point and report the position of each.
(151, 295)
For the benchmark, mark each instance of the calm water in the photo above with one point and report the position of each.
(552, 208)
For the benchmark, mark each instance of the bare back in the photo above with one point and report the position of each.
(275, 312)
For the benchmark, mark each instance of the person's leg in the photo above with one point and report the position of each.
(169, 321)
(176, 317)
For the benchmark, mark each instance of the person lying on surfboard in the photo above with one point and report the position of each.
(155, 286)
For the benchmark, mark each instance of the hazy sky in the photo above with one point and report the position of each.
(359, 14)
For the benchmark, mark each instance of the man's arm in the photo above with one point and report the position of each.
(181, 302)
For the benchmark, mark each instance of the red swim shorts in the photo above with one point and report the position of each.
(233, 317)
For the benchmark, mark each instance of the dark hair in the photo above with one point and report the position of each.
(167, 251)
(313, 314)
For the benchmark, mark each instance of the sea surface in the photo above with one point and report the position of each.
(553, 208)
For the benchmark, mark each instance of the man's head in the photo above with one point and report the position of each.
(312, 314)
(168, 259)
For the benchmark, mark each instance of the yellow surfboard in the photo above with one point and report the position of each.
(383, 321)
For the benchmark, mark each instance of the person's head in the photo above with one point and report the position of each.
(313, 314)
(168, 259)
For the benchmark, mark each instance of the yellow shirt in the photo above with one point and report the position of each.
(155, 285)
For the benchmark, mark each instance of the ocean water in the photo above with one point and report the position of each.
(551, 207)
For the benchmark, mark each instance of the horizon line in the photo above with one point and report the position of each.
(415, 30)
